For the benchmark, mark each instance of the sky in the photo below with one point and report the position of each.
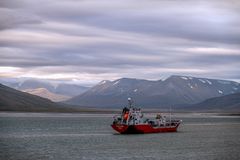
(86, 41)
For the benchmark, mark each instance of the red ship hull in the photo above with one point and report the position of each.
(142, 128)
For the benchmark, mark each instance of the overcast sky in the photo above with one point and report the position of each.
(86, 41)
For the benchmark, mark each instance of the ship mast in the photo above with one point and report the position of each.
(170, 115)
(130, 102)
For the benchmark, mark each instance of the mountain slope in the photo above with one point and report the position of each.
(34, 84)
(14, 100)
(43, 92)
(174, 91)
(229, 102)
(70, 89)
(62, 90)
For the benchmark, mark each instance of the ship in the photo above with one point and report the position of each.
(132, 121)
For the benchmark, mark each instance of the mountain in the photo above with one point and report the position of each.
(70, 89)
(34, 84)
(229, 102)
(56, 92)
(43, 92)
(175, 91)
(14, 100)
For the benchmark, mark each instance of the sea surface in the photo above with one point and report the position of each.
(57, 136)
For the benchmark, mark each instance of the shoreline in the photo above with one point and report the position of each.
(115, 111)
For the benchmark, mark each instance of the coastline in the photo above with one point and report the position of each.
(112, 112)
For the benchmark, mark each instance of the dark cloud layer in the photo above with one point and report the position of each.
(94, 40)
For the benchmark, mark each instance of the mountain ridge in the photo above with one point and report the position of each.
(173, 91)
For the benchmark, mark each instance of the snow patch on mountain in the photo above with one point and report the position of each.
(224, 82)
(190, 85)
(219, 91)
(121, 90)
(103, 82)
(185, 78)
(209, 82)
(235, 88)
(116, 83)
(201, 80)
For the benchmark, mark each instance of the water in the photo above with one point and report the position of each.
(57, 136)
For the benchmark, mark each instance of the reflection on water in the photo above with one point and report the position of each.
(90, 137)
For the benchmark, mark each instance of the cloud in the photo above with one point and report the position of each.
(13, 18)
(95, 40)
(160, 18)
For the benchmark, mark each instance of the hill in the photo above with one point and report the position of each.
(228, 103)
(14, 100)
(43, 92)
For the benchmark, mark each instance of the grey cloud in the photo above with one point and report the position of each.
(121, 38)
(11, 4)
(173, 25)
(195, 21)
(11, 18)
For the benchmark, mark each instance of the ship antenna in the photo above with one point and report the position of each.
(170, 115)
(130, 102)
